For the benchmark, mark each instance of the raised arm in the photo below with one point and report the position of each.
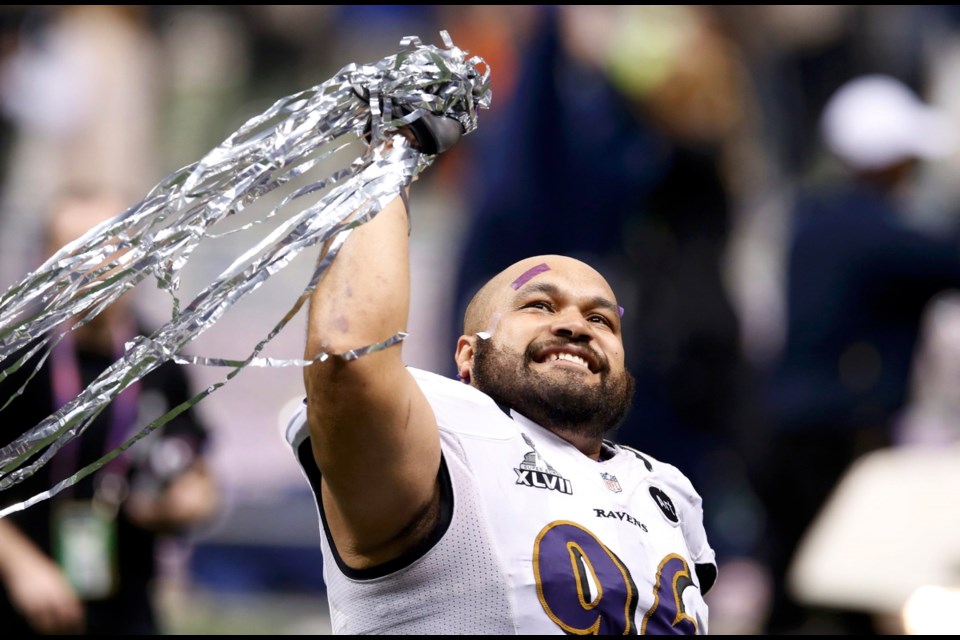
(374, 436)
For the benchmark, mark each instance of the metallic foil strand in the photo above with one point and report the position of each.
(157, 236)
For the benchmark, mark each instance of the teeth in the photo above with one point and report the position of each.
(569, 357)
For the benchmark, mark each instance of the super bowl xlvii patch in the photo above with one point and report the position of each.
(534, 471)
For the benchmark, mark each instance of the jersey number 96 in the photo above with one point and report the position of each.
(587, 590)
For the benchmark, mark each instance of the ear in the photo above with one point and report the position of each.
(464, 357)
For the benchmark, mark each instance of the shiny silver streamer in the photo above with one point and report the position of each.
(157, 236)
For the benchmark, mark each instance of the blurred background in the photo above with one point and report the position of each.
(786, 252)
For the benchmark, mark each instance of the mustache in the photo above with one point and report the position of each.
(603, 365)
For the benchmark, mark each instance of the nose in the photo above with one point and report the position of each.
(571, 324)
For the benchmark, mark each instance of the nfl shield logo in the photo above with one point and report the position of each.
(611, 482)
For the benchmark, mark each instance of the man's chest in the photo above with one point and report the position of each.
(590, 546)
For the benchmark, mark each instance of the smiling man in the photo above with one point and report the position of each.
(493, 504)
(571, 378)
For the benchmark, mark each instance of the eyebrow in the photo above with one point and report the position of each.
(554, 290)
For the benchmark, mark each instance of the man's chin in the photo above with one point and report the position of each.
(567, 371)
(552, 394)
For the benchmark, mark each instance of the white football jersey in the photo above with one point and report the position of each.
(535, 538)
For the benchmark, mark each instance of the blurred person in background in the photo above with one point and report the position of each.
(85, 559)
(859, 278)
(931, 417)
(898, 504)
(79, 88)
(799, 55)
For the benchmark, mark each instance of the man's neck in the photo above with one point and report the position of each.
(588, 446)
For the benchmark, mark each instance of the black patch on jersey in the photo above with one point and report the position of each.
(665, 503)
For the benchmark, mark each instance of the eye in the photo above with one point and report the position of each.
(543, 305)
(601, 319)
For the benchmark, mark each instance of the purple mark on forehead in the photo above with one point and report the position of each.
(529, 273)
(620, 309)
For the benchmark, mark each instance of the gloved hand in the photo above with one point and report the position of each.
(435, 133)
(432, 133)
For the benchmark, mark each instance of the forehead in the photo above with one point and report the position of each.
(555, 274)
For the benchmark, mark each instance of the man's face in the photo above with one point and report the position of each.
(555, 351)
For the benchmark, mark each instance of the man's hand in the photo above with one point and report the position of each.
(190, 499)
(431, 133)
(435, 133)
(39, 590)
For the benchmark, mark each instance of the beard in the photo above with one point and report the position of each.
(560, 401)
